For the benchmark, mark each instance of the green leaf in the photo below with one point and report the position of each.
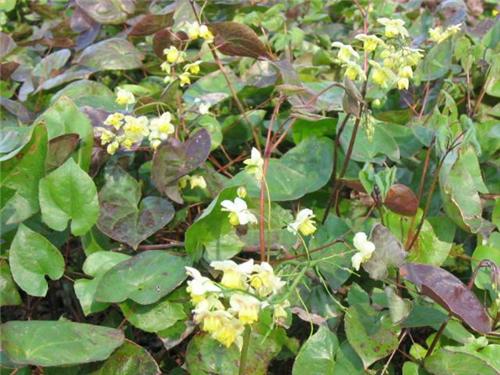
(490, 251)
(22, 175)
(57, 343)
(317, 354)
(461, 182)
(111, 54)
(303, 128)
(13, 139)
(212, 88)
(370, 149)
(459, 361)
(371, 334)
(347, 361)
(436, 63)
(144, 278)
(124, 217)
(304, 169)
(153, 318)
(88, 93)
(9, 295)
(96, 265)
(210, 226)
(128, 359)
(31, 257)
(337, 257)
(63, 117)
(69, 193)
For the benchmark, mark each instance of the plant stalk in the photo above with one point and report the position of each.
(244, 349)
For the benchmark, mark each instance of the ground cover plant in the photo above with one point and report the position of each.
(250, 187)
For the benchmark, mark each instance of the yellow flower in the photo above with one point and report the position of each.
(165, 67)
(199, 287)
(241, 192)
(264, 281)
(246, 306)
(105, 135)
(303, 223)
(381, 75)
(115, 120)
(155, 143)
(403, 83)
(393, 28)
(206, 34)
(405, 72)
(127, 143)
(197, 181)
(184, 78)
(239, 214)
(370, 42)
(229, 333)
(353, 71)
(193, 68)
(192, 30)
(439, 35)
(173, 55)
(124, 97)
(280, 314)
(234, 275)
(161, 127)
(112, 147)
(136, 128)
(346, 52)
(255, 164)
(365, 250)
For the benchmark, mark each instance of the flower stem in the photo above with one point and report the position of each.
(244, 349)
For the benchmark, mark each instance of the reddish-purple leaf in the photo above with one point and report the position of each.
(401, 200)
(448, 291)
(166, 38)
(150, 23)
(236, 39)
(60, 149)
(174, 159)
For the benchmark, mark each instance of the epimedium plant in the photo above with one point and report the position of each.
(305, 187)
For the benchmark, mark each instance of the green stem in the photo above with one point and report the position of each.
(244, 349)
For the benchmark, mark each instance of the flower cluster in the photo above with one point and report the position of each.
(126, 131)
(174, 57)
(391, 58)
(365, 250)
(223, 309)
(439, 35)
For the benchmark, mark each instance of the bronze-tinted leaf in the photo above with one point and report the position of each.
(166, 38)
(6, 69)
(174, 159)
(401, 200)
(60, 148)
(235, 39)
(150, 23)
(448, 291)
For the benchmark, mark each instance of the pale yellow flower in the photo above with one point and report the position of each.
(124, 97)
(393, 27)
(234, 275)
(370, 42)
(303, 223)
(184, 79)
(403, 83)
(173, 55)
(365, 250)
(206, 34)
(239, 214)
(255, 164)
(197, 181)
(264, 281)
(354, 71)
(246, 307)
(115, 120)
(346, 52)
(193, 68)
(112, 147)
(199, 286)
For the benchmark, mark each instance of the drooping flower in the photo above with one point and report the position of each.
(264, 281)
(241, 192)
(197, 181)
(134, 130)
(115, 120)
(370, 42)
(346, 52)
(193, 68)
(229, 332)
(381, 75)
(353, 71)
(239, 214)
(403, 83)
(439, 35)
(280, 314)
(246, 307)
(160, 128)
(303, 223)
(173, 55)
(393, 27)
(255, 164)
(199, 286)
(184, 79)
(124, 97)
(234, 275)
(206, 34)
(365, 250)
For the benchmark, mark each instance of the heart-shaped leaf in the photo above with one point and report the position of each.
(236, 39)
(31, 257)
(8, 291)
(124, 217)
(317, 354)
(57, 343)
(144, 278)
(401, 200)
(111, 54)
(174, 159)
(372, 334)
(60, 148)
(107, 11)
(69, 193)
(448, 291)
(388, 252)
